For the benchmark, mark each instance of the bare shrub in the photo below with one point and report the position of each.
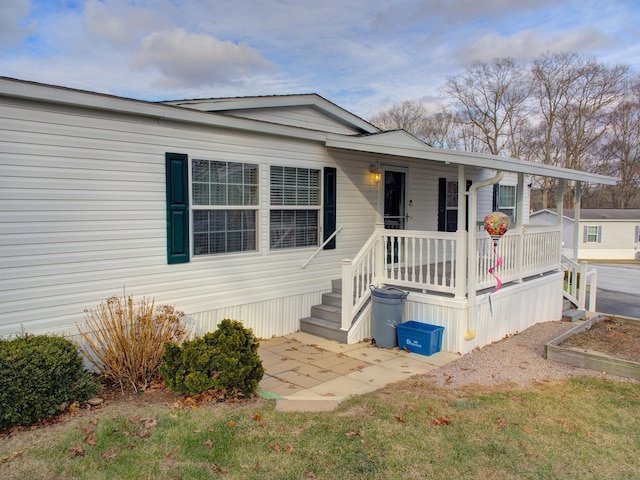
(125, 340)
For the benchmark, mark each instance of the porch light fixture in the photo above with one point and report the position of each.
(373, 168)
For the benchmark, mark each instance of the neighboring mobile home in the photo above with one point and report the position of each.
(602, 233)
(251, 208)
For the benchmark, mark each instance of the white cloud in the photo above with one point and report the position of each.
(119, 24)
(13, 18)
(188, 60)
(527, 44)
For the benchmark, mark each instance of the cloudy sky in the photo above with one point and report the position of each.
(361, 54)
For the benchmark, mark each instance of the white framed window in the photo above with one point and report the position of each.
(592, 234)
(506, 201)
(451, 206)
(224, 203)
(637, 235)
(294, 207)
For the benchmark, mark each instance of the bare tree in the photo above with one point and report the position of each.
(575, 96)
(620, 151)
(437, 130)
(408, 115)
(491, 98)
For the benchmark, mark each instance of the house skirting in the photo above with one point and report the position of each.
(267, 318)
(513, 308)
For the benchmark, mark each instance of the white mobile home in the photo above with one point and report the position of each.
(602, 233)
(251, 209)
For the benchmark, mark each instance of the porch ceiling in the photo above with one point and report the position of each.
(390, 143)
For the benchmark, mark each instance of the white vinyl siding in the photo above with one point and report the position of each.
(83, 214)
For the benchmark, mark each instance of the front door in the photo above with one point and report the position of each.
(395, 210)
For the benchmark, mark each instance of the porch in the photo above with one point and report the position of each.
(447, 290)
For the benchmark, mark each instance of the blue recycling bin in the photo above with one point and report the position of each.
(387, 307)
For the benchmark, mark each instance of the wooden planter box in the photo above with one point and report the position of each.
(590, 359)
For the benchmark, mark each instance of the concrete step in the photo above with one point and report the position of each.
(336, 285)
(333, 299)
(323, 328)
(327, 312)
(573, 315)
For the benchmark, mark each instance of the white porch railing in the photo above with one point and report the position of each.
(428, 261)
(577, 280)
(536, 251)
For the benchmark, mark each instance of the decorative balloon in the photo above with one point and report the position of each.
(496, 224)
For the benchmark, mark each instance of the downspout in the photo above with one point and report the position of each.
(472, 278)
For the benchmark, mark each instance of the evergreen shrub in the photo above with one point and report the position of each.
(226, 360)
(39, 376)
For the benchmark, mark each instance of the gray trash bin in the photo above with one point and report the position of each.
(387, 305)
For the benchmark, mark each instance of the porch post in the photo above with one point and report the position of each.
(576, 221)
(519, 226)
(460, 259)
(560, 213)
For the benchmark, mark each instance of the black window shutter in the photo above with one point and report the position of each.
(442, 204)
(466, 206)
(177, 178)
(496, 195)
(330, 209)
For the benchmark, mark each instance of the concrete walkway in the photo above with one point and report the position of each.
(307, 373)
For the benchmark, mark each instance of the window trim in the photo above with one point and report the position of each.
(597, 234)
(224, 208)
(509, 210)
(318, 207)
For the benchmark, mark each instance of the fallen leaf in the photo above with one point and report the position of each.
(76, 451)
(532, 455)
(208, 443)
(288, 448)
(90, 439)
(309, 475)
(400, 418)
(231, 423)
(110, 454)
(87, 428)
(440, 421)
(150, 423)
(13, 455)
(256, 417)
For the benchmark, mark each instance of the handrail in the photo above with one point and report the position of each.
(331, 237)
(576, 283)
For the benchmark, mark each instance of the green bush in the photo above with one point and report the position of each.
(225, 360)
(38, 375)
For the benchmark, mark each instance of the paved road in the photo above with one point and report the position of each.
(618, 289)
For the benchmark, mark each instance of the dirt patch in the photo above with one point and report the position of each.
(611, 337)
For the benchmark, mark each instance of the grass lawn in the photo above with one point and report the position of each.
(577, 429)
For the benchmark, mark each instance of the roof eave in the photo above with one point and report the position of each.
(365, 144)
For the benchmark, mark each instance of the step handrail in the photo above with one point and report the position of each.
(577, 278)
(317, 251)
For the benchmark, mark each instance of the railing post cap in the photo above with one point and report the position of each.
(347, 261)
